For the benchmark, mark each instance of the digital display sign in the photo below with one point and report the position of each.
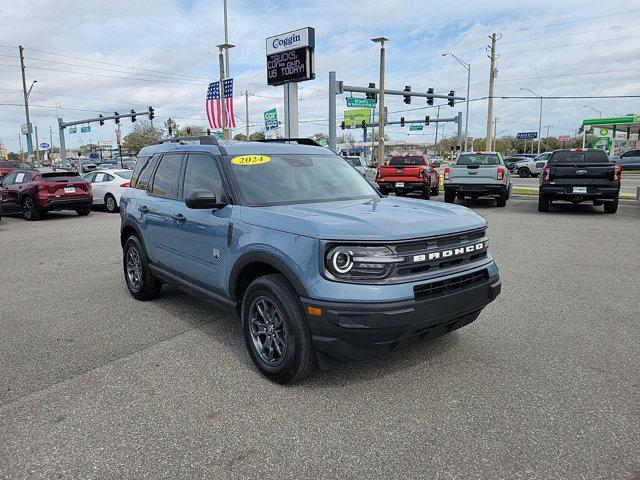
(290, 66)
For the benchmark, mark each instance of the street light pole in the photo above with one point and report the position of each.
(540, 117)
(26, 100)
(223, 107)
(466, 65)
(599, 112)
(226, 40)
(381, 118)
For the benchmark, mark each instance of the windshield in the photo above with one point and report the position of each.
(404, 161)
(585, 156)
(290, 179)
(478, 159)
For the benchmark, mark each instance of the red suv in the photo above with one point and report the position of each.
(9, 166)
(405, 173)
(32, 193)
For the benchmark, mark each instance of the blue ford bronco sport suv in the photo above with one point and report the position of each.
(319, 266)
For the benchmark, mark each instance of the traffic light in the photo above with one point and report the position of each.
(151, 113)
(170, 127)
(133, 117)
(426, 120)
(402, 121)
(208, 131)
(364, 124)
(372, 96)
(117, 119)
(188, 130)
(430, 99)
(451, 101)
(342, 125)
(101, 121)
(407, 98)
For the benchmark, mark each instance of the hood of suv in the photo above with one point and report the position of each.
(389, 218)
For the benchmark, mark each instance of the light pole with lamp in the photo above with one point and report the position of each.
(466, 65)
(540, 118)
(224, 51)
(381, 118)
(599, 112)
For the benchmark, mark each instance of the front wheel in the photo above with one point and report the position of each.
(449, 197)
(275, 331)
(524, 172)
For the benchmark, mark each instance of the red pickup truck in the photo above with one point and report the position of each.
(406, 173)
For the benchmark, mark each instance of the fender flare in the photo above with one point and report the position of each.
(127, 222)
(269, 259)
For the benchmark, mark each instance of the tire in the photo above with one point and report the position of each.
(384, 191)
(110, 203)
(543, 203)
(279, 343)
(425, 193)
(611, 207)
(29, 210)
(435, 191)
(84, 211)
(400, 193)
(141, 283)
(501, 201)
(449, 197)
(524, 172)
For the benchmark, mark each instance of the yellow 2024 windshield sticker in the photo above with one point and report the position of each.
(250, 160)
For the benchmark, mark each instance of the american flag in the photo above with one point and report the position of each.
(213, 108)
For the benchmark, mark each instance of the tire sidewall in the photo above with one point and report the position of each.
(133, 242)
(106, 203)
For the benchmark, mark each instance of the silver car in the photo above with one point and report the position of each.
(367, 172)
(531, 167)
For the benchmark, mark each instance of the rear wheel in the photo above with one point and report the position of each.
(543, 204)
(501, 201)
(83, 211)
(524, 172)
(29, 210)
(110, 203)
(435, 191)
(425, 194)
(275, 330)
(449, 197)
(400, 193)
(141, 283)
(384, 191)
(611, 207)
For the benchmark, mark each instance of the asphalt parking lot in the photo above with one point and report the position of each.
(545, 384)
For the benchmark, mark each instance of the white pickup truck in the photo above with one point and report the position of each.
(477, 174)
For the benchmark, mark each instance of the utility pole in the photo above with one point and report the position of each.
(435, 143)
(226, 40)
(492, 74)
(539, 118)
(223, 108)
(26, 100)
(381, 118)
(467, 66)
(246, 107)
(37, 146)
(548, 126)
(495, 132)
(21, 150)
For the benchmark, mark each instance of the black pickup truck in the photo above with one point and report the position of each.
(580, 174)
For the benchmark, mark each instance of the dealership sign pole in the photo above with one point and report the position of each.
(290, 59)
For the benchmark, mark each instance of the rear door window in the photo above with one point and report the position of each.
(165, 180)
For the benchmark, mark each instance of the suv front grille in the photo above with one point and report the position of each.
(443, 287)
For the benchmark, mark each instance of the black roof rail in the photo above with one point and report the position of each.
(203, 139)
(299, 141)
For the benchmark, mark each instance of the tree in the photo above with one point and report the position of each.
(257, 135)
(14, 156)
(240, 137)
(190, 131)
(143, 134)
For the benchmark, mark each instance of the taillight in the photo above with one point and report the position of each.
(545, 174)
(124, 185)
(446, 173)
(617, 174)
(500, 175)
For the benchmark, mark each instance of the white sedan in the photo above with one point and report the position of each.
(107, 187)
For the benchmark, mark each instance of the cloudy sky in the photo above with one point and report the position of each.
(91, 57)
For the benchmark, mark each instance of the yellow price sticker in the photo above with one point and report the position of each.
(250, 160)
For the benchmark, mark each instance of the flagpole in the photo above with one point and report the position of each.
(226, 132)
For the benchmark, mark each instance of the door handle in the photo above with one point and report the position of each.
(143, 209)
(178, 218)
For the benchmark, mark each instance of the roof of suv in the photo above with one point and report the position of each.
(234, 148)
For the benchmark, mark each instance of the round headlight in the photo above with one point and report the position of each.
(342, 261)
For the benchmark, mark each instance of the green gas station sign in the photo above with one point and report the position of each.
(613, 120)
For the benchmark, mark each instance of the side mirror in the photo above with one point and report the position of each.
(203, 200)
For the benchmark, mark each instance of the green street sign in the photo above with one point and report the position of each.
(86, 129)
(361, 102)
(73, 129)
(413, 128)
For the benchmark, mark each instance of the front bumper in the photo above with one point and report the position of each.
(565, 192)
(476, 189)
(356, 331)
